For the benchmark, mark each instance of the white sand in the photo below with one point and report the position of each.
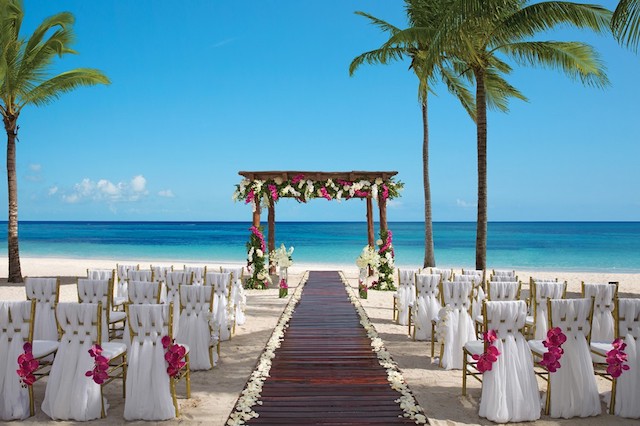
(214, 392)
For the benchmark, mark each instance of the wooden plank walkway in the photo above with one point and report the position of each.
(325, 372)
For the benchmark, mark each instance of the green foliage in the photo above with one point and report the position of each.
(625, 23)
(256, 258)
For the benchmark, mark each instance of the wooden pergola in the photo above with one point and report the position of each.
(314, 176)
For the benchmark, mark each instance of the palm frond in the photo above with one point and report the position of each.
(383, 25)
(378, 56)
(63, 20)
(499, 91)
(540, 17)
(577, 60)
(51, 89)
(455, 86)
(625, 23)
(40, 56)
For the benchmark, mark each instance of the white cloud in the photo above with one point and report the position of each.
(71, 199)
(166, 193)
(53, 190)
(464, 204)
(105, 190)
(35, 167)
(138, 183)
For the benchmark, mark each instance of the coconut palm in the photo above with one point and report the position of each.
(425, 14)
(476, 31)
(625, 23)
(25, 80)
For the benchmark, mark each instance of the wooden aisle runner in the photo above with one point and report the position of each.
(325, 371)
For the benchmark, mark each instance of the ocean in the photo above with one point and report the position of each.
(570, 246)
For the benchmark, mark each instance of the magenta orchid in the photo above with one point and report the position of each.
(616, 359)
(273, 190)
(554, 341)
(101, 365)
(28, 364)
(174, 353)
(490, 355)
(283, 283)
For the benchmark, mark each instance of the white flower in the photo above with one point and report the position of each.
(379, 242)
(259, 253)
(378, 181)
(278, 180)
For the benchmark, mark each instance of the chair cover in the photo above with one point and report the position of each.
(477, 291)
(503, 274)
(573, 386)
(197, 273)
(221, 282)
(70, 395)
(446, 274)
(459, 326)
(628, 384)
(504, 278)
(45, 292)
(238, 297)
(14, 399)
(195, 326)
(148, 395)
(503, 290)
(406, 294)
(159, 273)
(96, 291)
(122, 271)
(509, 389)
(543, 291)
(140, 275)
(100, 274)
(145, 292)
(173, 280)
(603, 299)
(427, 304)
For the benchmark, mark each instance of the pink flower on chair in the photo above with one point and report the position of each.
(616, 358)
(554, 341)
(490, 355)
(174, 353)
(101, 365)
(28, 364)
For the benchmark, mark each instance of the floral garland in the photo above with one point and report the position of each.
(256, 264)
(386, 268)
(28, 364)
(616, 359)
(250, 395)
(174, 353)
(302, 189)
(407, 401)
(100, 365)
(554, 341)
(491, 353)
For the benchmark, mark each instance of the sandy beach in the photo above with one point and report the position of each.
(214, 392)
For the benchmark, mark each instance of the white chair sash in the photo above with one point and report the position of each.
(159, 273)
(543, 291)
(14, 399)
(99, 274)
(173, 281)
(221, 282)
(122, 272)
(509, 389)
(140, 275)
(145, 292)
(96, 291)
(427, 304)
(406, 294)
(459, 326)
(45, 292)
(195, 325)
(503, 290)
(446, 274)
(603, 300)
(197, 273)
(238, 297)
(628, 384)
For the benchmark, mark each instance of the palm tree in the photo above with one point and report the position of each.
(25, 80)
(475, 31)
(425, 14)
(625, 23)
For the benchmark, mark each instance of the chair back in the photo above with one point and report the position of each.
(497, 273)
(195, 300)
(123, 272)
(407, 277)
(149, 322)
(475, 279)
(503, 278)
(236, 273)
(628, 313)
(573, 316)
(46, 293)
(16, 322)
(446, 274)
(604, 295)
(144, 292)
(478, 272)
(197, 273)
(506, 317)
(457, 295)
(428, 285)
(97, 291)
(503, 290)
(140, 275)
(79, 322)
(174, 279)
(159, 273)
(221, 281)
(100, 274)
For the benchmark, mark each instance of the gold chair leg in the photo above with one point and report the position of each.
(547, 407)
(612, 403)
(409, 321)
(32, 410)
(393, 315)
(124, 375)
(433, 340)
(172, 385)
(464, 372)
(188, 376)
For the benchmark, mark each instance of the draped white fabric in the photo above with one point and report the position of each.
(45, 292)
(140, 275)
(99, 274)
(14, 399)
(94, 291)
(602, 323)
(122, 272)
(503, 290)
(544, 291)
(509, 390)
(573, 387)
(406, 294)
(427, 304)
(238, 297)
(148, 394)
(459, 326)
(221, 282)
(628, 384)
(197, 273)
(160, 272)
(195, 325)
(70, 395)
(479, 295)
(173, 281)
(144, 292)
(446, 274)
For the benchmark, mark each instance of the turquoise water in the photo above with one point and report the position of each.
(579, 246)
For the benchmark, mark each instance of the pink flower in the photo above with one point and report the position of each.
(101, 365)
(616, 358)
(324, 193)
(490, 355)
(174, 353)
(166, 341)
(362, 194)
(297, 178)
(283, 283)
(27, 365)
(250, 197)
(490, 336)
(385, 192)
(274, 192)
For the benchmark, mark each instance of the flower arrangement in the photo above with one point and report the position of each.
(281, 257)
(256, 264)
(302, 189)
(28, 365)
(443, 322)
(554, 341)
(100, 365)
(368, 257)
(174, 353)
(386, 268)
(491, 353)
(616, 359)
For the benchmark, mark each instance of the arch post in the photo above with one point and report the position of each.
(271, 240)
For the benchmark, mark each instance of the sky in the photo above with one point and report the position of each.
(202, 89)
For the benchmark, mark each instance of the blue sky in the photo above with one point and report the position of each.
(203, 89)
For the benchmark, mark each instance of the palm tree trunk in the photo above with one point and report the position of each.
(481, 121)
(15, 273)
(429, 256)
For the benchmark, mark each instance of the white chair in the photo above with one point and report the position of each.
(145, 292)
(571, 390)
(197, 329)
(173, 281)
(509, 389)
(427, 304)
(497, 275)
(140, 275)
(46, 293)
(238, 297)
(151, 392)
(16, 328)
(458, 325)
(70, 395)
(602, 327)
(100, 291)
(541, 292)
(405, 295)
(446, 274)
(478, 294)
(197, 273)
(159, 273)
(625, 390)
(223, 316)
(101, 274)
(499, 291)
(122, 274)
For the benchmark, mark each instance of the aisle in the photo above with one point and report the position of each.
(325, 371)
